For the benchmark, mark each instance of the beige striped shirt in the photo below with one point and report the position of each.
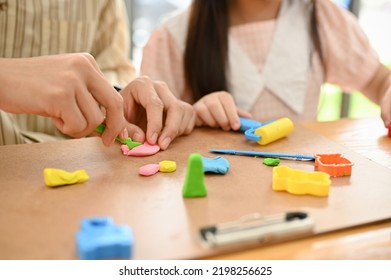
(44, 27)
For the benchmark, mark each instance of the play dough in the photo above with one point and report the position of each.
(149, 169)
(140, 151)
(58, 177)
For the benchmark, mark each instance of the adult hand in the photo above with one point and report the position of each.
(218, 109)
(68, 88)
(151, 105)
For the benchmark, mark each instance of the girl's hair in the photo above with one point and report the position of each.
(206, 52)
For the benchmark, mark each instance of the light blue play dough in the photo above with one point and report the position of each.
(218, 165)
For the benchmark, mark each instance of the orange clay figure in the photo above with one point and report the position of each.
(334, 164)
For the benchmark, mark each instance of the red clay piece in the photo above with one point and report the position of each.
(333, 164)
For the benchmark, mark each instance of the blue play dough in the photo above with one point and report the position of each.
(246, 124)
(100, 238)
(218, 165)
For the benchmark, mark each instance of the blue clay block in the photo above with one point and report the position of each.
(99, 238)
(215, 165)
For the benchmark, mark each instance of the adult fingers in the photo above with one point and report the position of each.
(179, 120)
(178, 115)
(143, 92)
(90, 110)
(135, 132)
(66, 113)
(107, 97)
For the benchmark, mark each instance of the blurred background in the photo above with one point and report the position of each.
(374, 17)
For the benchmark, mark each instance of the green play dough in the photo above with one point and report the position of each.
(271, 161)
(194, 185)
(128, 141)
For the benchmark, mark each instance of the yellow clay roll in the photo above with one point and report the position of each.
(274, 130)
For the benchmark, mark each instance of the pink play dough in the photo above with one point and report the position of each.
(140, 151)
(149, 169)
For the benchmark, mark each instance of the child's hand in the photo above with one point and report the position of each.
(218, 110)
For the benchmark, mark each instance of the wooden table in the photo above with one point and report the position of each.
(367, 137)
(37, 222)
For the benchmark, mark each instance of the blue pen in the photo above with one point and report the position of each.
(263, 154)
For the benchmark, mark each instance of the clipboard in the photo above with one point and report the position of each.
(258, 228)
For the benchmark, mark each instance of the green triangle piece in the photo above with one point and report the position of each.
(194, 185)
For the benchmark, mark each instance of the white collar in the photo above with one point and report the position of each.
(287, 64)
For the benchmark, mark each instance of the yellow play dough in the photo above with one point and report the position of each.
(58, 177)
(167, 166)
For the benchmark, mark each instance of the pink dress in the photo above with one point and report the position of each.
(348, 61)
